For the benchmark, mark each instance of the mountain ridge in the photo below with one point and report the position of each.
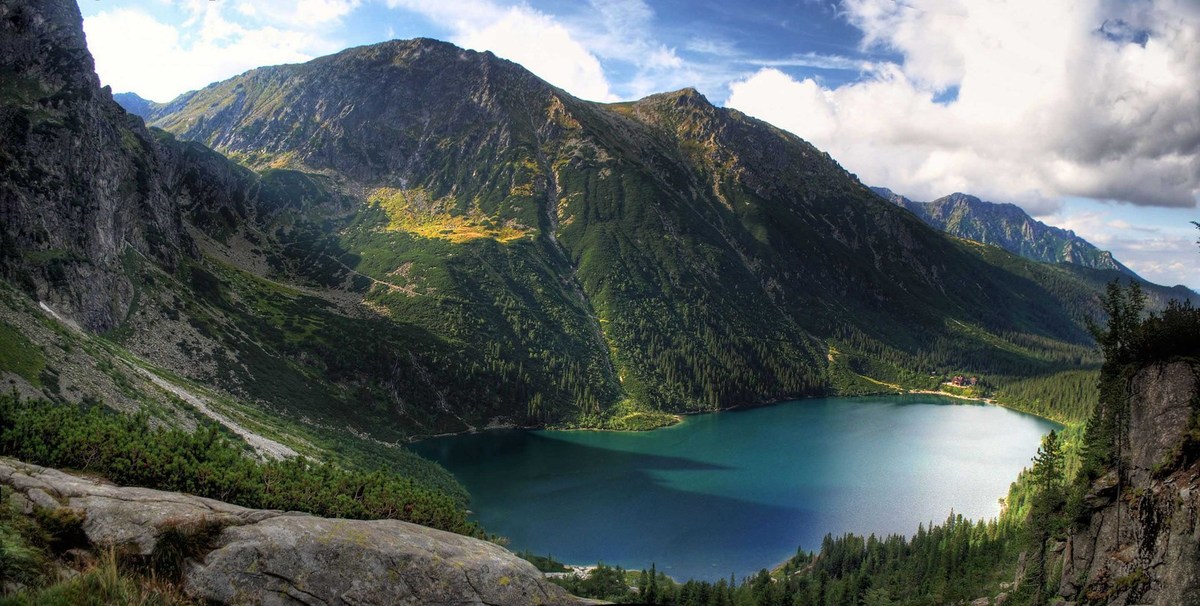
(1008, 226)
(682, 116)
(415, 224)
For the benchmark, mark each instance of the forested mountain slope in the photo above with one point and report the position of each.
(669, 253)
(428, 239)
(104, 231)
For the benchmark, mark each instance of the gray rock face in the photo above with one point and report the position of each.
(272, 557)
(85, 188)
(81, 181)
(298, 558)
(1144, 547)
(1166, 392)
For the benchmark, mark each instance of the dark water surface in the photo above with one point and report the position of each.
(734, 492)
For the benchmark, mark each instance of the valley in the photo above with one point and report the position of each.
(381, 284)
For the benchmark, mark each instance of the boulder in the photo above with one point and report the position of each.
(249, 556)
(316, 560)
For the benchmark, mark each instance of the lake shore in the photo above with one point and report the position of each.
(930, 392)
(678, 417)
(988, 401)
(741, 492)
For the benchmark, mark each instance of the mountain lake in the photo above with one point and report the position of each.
(732, 492)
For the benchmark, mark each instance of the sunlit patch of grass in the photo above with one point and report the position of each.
(416, 212)
(104, 583)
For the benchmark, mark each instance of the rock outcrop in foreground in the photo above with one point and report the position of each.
(1142, 545)
(236, 555)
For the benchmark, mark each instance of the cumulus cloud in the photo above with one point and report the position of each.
(546, 48)
(1094, 98)
(536, 40)
(136, 52)
(602, 50)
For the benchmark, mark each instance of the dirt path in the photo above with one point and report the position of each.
(951, 395)
(263, 446)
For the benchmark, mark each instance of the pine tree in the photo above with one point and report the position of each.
(1104, 437)
(1046, 516)
(1047, 465)
(651, 596)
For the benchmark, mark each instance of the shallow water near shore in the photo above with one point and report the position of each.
(734, 492)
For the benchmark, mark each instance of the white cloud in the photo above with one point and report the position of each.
(135, 52)
(539, 42)
(1047, 105)
(1166, 260)
(818, 61)
(460, 15)
(712, 46)
(579, 52)
(545, 47)
(298, 13)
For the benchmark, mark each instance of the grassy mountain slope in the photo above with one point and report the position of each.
(429, 239)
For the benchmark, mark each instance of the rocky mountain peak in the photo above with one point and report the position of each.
(134, 104)
(415, 52)
(962, 202)
(46, 42)
(961, 197)
(1008, 226)
(371, 113)
(687, 96)
(676, 104)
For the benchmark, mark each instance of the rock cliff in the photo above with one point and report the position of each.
(234, 555)
(1142, 544)
(81, 181)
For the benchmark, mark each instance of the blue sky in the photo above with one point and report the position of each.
(1085, 113)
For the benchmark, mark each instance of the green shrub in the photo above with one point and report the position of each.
(127, 451)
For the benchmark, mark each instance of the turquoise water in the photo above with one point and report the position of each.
(733, 492)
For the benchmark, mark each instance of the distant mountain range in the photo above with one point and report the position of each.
(1007, 226)
(134, 103)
